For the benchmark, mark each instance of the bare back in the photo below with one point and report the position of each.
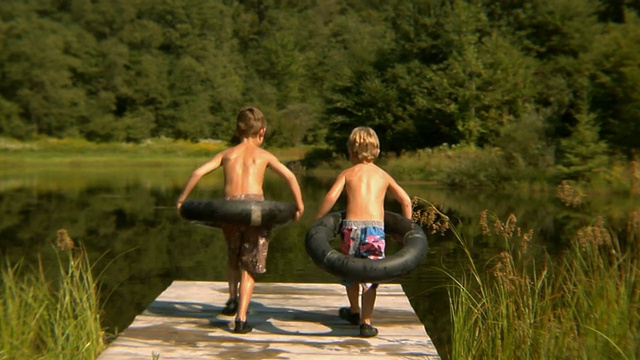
(244, 167)
(365, 186)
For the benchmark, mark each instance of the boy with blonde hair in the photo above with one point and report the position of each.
(244, 167)
(362, 229)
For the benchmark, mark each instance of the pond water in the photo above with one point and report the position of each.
(127, 222)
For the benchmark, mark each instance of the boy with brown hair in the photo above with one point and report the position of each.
(362, 229)
(244, 167)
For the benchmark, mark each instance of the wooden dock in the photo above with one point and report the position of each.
(290, 320)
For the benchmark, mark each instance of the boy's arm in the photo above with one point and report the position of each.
(288, 175)
(405, 201)
(331, 197)
(197, 174)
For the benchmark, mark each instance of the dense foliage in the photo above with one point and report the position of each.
(422, 73)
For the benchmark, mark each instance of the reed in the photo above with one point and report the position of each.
(524, 304)
(51, 317)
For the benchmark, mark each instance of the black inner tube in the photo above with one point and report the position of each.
(256, 213)
(325, 229)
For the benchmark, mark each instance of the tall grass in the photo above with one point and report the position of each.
(584, 305)
(41, 318)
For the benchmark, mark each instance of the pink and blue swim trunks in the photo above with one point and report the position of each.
(363, 239)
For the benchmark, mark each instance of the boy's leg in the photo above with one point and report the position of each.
(353, 294)
(351, 314)
(350, 236)
(232, 236)
(233, 278)
(253, 257)
(372, 245)
(247, 283)
(246, 291)
(368, 303)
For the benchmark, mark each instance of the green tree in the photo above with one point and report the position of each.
(559, 34)
(615, 95)
(10, 122)
(38, 75)
(106, 86)
(486, 82)
(206, 71)
(422, 73)
(582, 153)
(476, 82)
(525, 143)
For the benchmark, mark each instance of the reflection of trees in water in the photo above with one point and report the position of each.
(130, 233)
(553, 222)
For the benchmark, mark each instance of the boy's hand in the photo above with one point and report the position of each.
(178, 206)
(299, 213)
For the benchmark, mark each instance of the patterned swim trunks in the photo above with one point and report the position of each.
(247, 246)
(363, 239)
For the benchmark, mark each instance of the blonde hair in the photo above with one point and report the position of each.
(363, 144)
(249, 122)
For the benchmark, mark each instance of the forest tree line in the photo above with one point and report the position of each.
(525, 75)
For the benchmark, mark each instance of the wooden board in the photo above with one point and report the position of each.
(290, 320)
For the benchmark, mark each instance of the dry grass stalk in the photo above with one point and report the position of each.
(569, 195)
(64, 241)
(427, 214)
(595, 234)
(635, 177)
(633, 226)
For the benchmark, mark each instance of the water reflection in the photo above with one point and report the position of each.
(128, 224)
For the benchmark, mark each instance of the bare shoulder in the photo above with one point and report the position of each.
(383, 173)
(228, 151)
(348, 172)
(221, 155)
(376, 170)
(266, 155)
(264, 152)
(380, 176)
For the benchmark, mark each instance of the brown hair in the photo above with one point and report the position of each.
(363, 144)
(249, 122)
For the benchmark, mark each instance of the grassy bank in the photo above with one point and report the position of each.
(64, 163)
(59, 151)
(583, 304)
(452, 166)
(472, 167)
(51, 316)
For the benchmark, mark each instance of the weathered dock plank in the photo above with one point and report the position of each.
(290, 320)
